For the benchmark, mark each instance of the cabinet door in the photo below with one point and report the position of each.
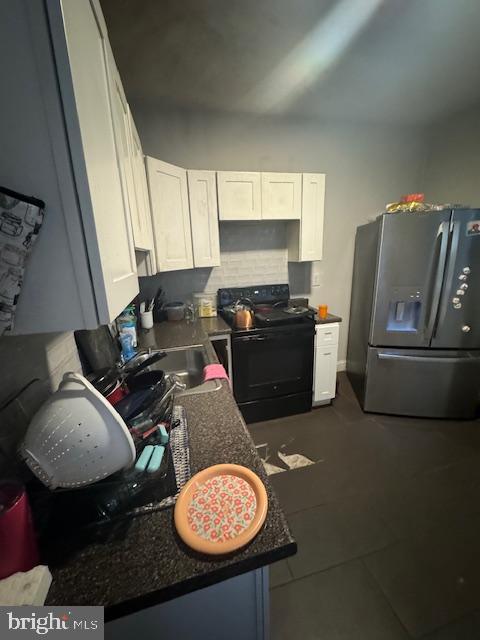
(305, 238)
(325, 373)
(103, 199)
(202, 194)
(170, 215)
(281, 196)
(144, 233)
(311, 225)
(239, 195)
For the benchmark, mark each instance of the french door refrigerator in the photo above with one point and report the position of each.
(414, 336)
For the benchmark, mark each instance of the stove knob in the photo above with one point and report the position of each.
(465, 328)
(462, 276)
(466, 270)
(460, 292)
(464, 286)
(455, 300)
(457, 305)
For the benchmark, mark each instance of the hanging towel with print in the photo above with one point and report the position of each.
(20, 220)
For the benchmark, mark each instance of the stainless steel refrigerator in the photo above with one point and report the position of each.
(414, 335)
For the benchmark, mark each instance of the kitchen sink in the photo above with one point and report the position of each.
(187, 363)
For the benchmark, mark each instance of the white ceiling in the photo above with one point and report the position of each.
(404, 61)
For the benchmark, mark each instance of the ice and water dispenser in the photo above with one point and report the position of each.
(404, 310)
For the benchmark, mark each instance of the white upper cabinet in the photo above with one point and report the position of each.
(247, 195)
(305, 238)
(142, 224)
(239, 195)
(170, 215)
(202, 193)
(100, 112)
(281, 196)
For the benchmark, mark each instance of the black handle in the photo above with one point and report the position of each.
(146, 363)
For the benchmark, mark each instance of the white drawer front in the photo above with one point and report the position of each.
(326, 334)
(325, 373)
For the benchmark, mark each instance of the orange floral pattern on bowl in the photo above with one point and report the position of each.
(221, 508)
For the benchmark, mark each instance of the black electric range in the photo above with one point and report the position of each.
(273, 360)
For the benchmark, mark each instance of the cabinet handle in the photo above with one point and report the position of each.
(327, 354)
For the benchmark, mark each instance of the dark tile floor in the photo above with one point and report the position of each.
(387, 523)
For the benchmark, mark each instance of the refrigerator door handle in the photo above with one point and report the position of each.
(449, 273)
(443, 234)
(406, 357)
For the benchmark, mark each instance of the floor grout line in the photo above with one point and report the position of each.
(379, 589)
(330, 567)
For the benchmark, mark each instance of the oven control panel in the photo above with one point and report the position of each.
(264, 293)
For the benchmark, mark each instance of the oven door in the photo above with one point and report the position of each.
(273, 362)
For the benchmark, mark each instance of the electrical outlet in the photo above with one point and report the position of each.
(316, 275)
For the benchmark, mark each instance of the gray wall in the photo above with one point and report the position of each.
(366, 166)
(452, 168)
(42, 358)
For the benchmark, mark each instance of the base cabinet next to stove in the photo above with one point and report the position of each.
(325, 363)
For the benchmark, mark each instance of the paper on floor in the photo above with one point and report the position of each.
(271, 469)
(295, 460)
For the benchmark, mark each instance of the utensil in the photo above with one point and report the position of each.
(243, 508)
(108, 383)
(77, 437)
(175, 311)
(132, 368)
(144, 458)
(137, 402)
(243, 314)
(97, 347)
(146, 319)
(156, 459)
(144, 380)
(116, 394)
(154, 412)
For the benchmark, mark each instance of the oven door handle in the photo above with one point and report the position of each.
(304, 335)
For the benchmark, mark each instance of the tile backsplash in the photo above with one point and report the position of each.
(251, 253)
(41, 359)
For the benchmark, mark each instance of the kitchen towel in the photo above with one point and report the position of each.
(215, 371)
(20, 220)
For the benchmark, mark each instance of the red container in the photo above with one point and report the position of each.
(117, 393)
(18, 545)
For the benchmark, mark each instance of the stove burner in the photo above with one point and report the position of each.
(263, 308)
(296, 310)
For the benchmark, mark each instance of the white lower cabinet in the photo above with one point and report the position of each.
(325, 363)
(170, 215)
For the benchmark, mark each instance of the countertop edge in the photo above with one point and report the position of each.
(191, 585)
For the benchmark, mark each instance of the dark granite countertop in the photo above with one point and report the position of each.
(165, 335)
(328, 320)
(136, 563)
